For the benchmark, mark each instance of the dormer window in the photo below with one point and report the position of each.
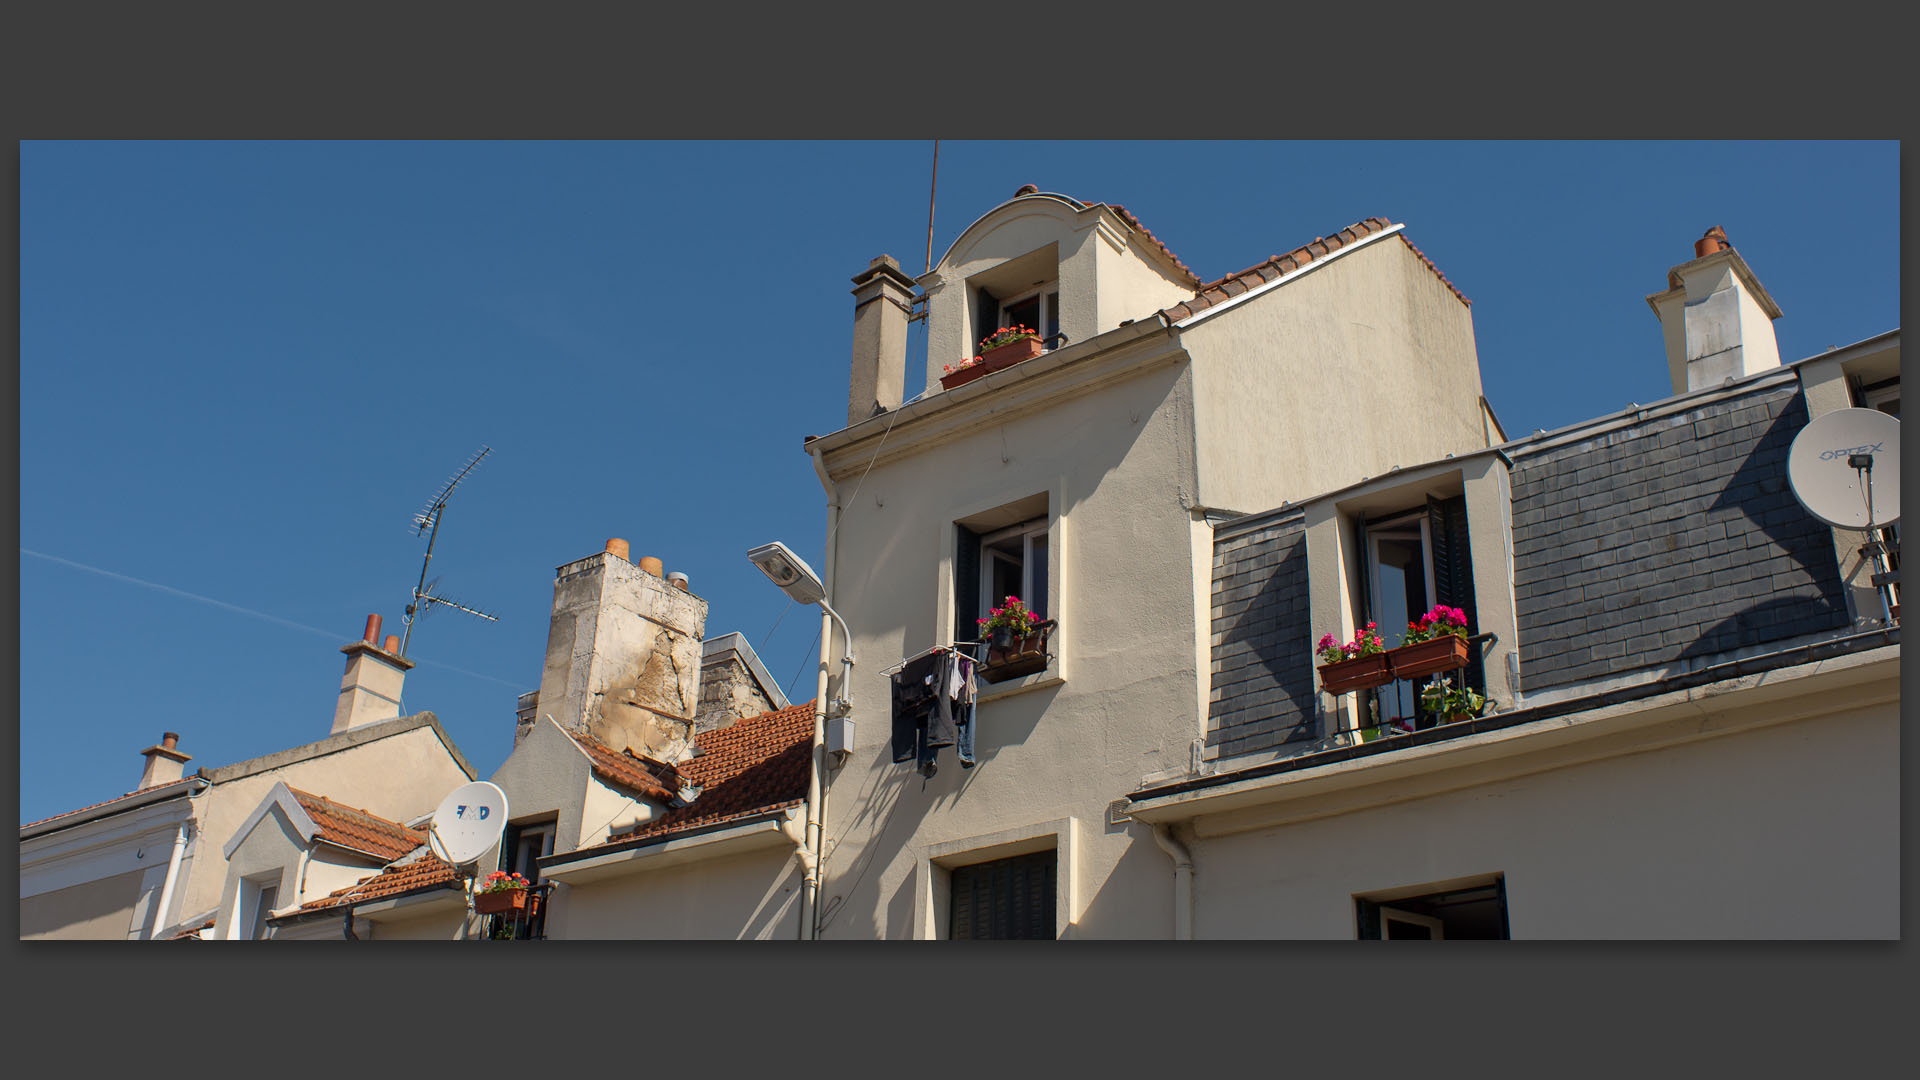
(1038, 310)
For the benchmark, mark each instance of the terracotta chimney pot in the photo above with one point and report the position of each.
(617, 546)
(373, 630)
(1714, 240)
(653, 566)
(393, 644)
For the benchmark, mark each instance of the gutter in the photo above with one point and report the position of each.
(188, 786)
(574, 863)
(1752, 665)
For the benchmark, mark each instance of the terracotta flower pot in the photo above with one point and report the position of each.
(500, 903)
(1356, 674)
(1429, 657)
(993, 360)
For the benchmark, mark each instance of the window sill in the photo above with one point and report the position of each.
(1039, 680)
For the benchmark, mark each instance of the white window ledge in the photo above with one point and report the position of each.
(1039, 680)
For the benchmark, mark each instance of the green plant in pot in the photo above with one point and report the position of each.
(1452, 703)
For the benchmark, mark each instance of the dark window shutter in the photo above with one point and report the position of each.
(966, 584)
(1453, 569)
(1007, 899)
(986, 318)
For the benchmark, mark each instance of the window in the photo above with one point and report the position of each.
(1038, 310)
(253, 906)
(1000, 553)
(1013, 562)
(262, 907)
(519, 847)
(1416, 559)
(1004, 900)
(1474, 910)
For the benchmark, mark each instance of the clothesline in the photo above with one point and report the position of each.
(902, 665)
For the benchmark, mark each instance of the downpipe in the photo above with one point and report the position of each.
(166, 886)
(1182, 881)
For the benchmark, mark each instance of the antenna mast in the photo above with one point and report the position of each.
(427, 521)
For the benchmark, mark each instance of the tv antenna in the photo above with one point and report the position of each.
(427, 521)
(1830, 468)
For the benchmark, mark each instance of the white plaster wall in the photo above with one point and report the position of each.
(99, 909)
(1342, 373)
(549, 776)
(271, 855)
(1789, 831)
(442, 923)
(754, 895)
(1115, 461)
(399, 777)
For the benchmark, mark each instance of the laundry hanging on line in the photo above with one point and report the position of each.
(933, 699)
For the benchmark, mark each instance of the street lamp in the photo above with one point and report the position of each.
(797, 580)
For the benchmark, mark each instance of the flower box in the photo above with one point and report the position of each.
(1010, 656)
(1430, 657)
(1356, 674)
(502, 902)
(993, 360)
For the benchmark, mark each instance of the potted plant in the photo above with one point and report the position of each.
(1016, 641)
(501, 893)
(1003, 348)
(1452, 704)
(1355, 665)
(1436, 643)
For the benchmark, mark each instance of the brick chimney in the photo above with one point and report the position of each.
(164, 763)
(623, 656)
(1716, 317)
(370, 689)
(882, 298)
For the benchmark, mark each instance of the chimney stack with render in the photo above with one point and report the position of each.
(623, 656)
(1716, 317)
(882, 300)
(370, 689)
(165, 764)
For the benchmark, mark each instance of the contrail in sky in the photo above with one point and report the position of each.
(240, 610)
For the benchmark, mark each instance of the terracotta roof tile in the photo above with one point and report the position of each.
(748, 767)
(180, 783)
(1133, 222)
(649, 779)
(357, 830)
(192, 933)
(425, 872)
(1225, 288)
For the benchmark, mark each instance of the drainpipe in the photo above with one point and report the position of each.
(1182, 881)
(796, 832)
(166, 887)
(814, 861)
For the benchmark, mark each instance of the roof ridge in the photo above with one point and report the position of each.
(1274, 266)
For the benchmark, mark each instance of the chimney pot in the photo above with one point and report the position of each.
(1026, 189)
(393, 644)
(617, 546)
(678, 580)
(170, 739)
(653, 566)
(373, 630)
(1713, 240)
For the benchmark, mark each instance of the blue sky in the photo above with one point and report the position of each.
(243, 366)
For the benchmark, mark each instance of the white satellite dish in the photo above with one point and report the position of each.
(1822, 468)
(468, 823)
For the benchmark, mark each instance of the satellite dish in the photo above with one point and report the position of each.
(1822, 468)
(468, 823)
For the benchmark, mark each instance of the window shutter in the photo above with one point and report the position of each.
(986, 318)
(966, 584)
(1453, 569)
(1008, 899)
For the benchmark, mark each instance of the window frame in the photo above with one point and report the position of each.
(1026, 531)
(1048, 293)
(982, 518)
(933, 883)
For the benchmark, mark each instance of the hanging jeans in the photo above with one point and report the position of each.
(926, 718)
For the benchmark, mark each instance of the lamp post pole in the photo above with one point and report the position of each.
(816, 775)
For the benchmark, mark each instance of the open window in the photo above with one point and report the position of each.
(1472, 909)
(1414, 560)
(1003, 552)
(1023, 291)
(521, 846)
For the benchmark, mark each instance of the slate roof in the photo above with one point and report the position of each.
(357, 830)
(747, 768)
(1226, 288)
(423, 873)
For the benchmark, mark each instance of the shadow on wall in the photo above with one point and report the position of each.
(1265, 680)
(1770, 570)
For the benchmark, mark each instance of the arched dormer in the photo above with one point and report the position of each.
(1050, 262)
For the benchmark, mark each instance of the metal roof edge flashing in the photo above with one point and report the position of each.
(1240, 526)
(1214, 309)
(1635, 414)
